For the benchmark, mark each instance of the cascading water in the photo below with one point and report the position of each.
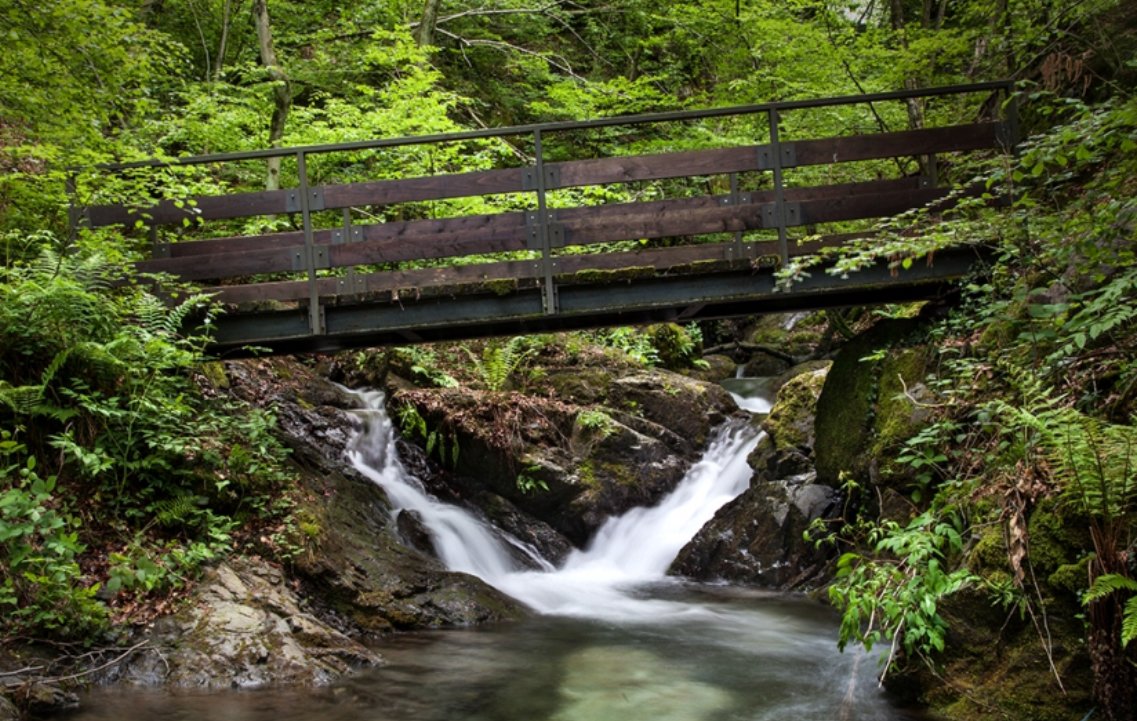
(661, 651)
(462, 541)
(628, 551)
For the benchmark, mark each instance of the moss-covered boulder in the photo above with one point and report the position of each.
(863, 409)
(791, 420)
(1025, 660)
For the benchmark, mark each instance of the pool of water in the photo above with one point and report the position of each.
(734, 655)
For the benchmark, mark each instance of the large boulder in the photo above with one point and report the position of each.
(245, 628)
(758, 537)
(993, 652)
(863, 409)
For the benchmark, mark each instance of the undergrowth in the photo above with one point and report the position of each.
(121, 478)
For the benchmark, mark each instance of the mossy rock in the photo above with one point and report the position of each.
(580, 385)
(717, 367)
(848, 407)
(791, 420)
(796, 334)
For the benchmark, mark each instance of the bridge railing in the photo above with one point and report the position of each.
(332, 259)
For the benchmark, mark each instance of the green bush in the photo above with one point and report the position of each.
(41, 585)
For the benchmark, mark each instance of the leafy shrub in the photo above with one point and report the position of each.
(41, 586)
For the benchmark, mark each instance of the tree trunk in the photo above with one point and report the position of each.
(424, 33)
(221, 46)
(281, 91)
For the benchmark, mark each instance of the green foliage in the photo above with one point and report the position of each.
(923, 454)
(596, 422)
(633, 343)
(414, 427)
(500, 361)
(1109, 584)
(42, 589)
(678, 346)
(116, 414)
(893, 596)
(529, 483)
(422, 363)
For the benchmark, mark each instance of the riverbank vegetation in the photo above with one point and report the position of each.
(127, 467)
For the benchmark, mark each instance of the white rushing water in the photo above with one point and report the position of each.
(628, 552)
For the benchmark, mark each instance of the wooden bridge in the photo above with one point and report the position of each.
(692, 234)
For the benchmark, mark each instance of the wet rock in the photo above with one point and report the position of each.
(355, 571)
(538, 535)
(758, 537)
(358, 567)
(40, 698)
(8, 710)
(572, 466)
(245, 628)
(718, 367)
(762, 365)
(413, 532)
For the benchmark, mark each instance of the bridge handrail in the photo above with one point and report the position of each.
(1006, 86)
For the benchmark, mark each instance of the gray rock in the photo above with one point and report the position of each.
(757, 538)
(413, 532)
(245, 628)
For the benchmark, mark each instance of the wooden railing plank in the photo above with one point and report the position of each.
(481, 276)
(897, 144)
(571, 174)
(202, 207)
(509, 225)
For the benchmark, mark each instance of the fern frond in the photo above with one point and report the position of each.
(152, 314)
(178, 510)
(1129, 622)
(1108, 583)
(23, 400)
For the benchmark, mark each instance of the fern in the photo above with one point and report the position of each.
(1109, 584)
(178, 510)
(499, 362)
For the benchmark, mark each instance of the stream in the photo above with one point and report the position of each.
(613, 639)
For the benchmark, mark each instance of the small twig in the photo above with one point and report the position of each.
(90, 671)
(915, 402)
(26, 669)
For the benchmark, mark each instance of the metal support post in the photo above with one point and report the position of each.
(736, 200)
(543, 241)
(779, 188)
(315, 310)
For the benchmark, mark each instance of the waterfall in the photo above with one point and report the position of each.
(628, 553)
(462, 541)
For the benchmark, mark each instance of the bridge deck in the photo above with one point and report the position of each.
(714, 225)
